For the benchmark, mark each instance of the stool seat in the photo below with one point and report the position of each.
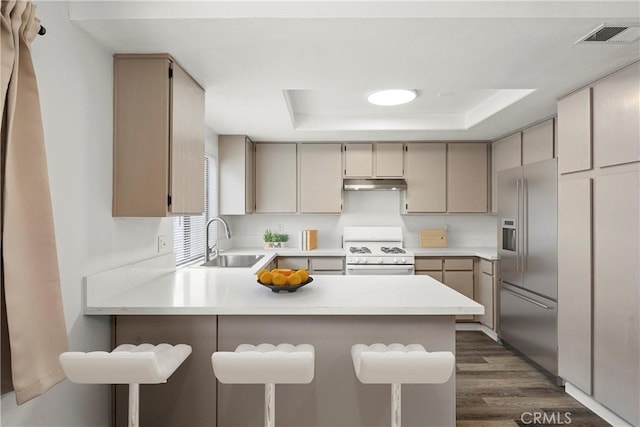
(126, 364)
(265, 364)
(401, 364)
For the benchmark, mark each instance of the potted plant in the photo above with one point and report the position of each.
(274, 240)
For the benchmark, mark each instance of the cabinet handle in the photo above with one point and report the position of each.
(488, 274)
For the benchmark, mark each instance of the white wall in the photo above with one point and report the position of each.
(75, 81)
(364, 208)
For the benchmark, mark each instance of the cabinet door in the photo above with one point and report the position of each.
(574, 132)
(461, 281)
(574, 283)
(141, 136)
(235, 154)
(320, 178)
(616, 322)
(358, 160)
(537, 143)
(616, 118)
(389, 157)
(485, 297)
(276, 175)
(505, 154)
(426, 176)
(467, 177)
(187, 145)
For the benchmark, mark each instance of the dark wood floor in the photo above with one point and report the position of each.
(495, 387)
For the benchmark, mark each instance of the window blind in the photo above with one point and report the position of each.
(189, 230)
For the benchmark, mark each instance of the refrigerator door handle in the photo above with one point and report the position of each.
(522, 297)
(518, 225)
(525, 224)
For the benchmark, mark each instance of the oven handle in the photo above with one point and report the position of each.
(394, 268)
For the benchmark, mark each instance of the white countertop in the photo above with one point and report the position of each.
(489, 253)
(210, 291)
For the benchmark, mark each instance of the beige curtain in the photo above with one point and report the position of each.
(30, 277)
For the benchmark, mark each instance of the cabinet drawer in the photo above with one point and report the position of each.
(452, 264)
(326, 263)
(433, 274)
(327, 273)
(428, 264)
(486, 267)
(294, 263)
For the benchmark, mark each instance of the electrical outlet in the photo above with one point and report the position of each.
(163, 244)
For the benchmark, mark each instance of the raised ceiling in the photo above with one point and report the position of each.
(301, 70)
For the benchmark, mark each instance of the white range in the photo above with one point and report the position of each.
(376, 250)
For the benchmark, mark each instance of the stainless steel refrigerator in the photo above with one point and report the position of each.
(527, 211)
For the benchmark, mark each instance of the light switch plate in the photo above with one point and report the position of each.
(163, 244)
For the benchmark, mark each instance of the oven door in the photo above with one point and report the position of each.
(384, 269)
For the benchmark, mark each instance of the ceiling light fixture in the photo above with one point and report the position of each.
(392, 96)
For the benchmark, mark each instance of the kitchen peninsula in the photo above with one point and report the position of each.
(217, 309)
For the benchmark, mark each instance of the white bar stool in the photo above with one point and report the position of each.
(398, 364)
(265, 364)
(126, 364)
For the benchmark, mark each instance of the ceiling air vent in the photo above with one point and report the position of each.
(613, 34)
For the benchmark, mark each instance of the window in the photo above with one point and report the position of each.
(189, 231)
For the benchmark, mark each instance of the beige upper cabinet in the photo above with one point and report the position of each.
(505, 154)
(235, 154)
(158, 155)
(616, 118)
(358, 160)
(467, 177)
(537, 143)
(275, 178)
(389, 159)
(574, 132)
(380, 160)
(426, 176)
(320, 178)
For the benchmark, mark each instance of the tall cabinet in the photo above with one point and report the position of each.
(598, 274)
(158, 138)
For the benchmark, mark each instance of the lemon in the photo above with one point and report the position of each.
(304, 274)
(279, 279)
(294, 279)
(259, 273)
(266, 278)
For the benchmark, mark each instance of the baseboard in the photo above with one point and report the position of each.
(594, 406)
(474, 326)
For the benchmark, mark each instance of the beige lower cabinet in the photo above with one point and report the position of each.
(276, 178)
(485, 292)
(315, 265)
(326, 265)
(431, 267)
(457, 273)
(293, 263)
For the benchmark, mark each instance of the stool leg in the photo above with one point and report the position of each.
(396, 405)
(269, 405)
(134, 393)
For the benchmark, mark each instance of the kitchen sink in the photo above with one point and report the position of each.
(233, 261)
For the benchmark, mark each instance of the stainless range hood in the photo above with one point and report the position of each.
(375, 184)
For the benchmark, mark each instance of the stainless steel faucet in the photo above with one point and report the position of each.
(208, 249)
